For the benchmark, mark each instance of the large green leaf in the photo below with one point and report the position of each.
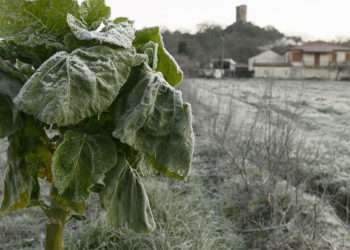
(9, 71)
(25, 69)
(93, 12)
(33, 47)
(18, 188)
(125, 198)
(166, 63)
(9, 120)
(36, 147)
(32, 30)
(151, 50)
(122, 19)
(80, 162)
(38, 15)
(21, 188)
(118, 34)
(150, 116)
(68, 88)
(6, 52)
(9, 87)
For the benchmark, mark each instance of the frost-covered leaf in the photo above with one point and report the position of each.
(33, 47)
(9, 87)
(21, 188)
(93, 12)
(11, 73)
(166, 63)
(18, 188)
(125, 199)
(25, 69)
(80, 162)
(150, 116)
(9, 121)
(151, 50)
(35, 146)
(38, 15)
(118, 34)
(32, 29)
(6, 52)
(122, 19)
(68, 88)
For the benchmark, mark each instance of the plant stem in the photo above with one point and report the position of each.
(54, 236)
(57, 216)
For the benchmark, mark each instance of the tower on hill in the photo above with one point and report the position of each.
(241, 14)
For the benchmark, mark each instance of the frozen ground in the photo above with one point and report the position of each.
(324, 107)
(320, 112)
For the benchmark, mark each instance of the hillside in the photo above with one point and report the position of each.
(239, 41)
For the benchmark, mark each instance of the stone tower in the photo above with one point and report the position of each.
(241, 14)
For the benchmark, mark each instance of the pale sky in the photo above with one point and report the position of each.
(312, 19)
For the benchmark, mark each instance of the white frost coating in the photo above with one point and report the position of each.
(3, 149)
(118, 34)
(325, 108)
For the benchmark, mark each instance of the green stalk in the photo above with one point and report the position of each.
(54, 236)
(57, 217)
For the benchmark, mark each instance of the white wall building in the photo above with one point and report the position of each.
(311, 60)
(266, 57)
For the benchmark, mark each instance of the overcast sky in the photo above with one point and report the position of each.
(312, 19)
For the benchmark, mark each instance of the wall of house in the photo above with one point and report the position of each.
(299, 73)
(267, 57)
(318, 73)
(297, 64)
(345, 75)
(272, 72)
(298, 58)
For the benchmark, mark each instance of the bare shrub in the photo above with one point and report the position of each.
(268, 141)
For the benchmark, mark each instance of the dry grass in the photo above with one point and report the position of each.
(186, 220)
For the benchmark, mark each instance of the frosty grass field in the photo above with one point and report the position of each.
(323, 109)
